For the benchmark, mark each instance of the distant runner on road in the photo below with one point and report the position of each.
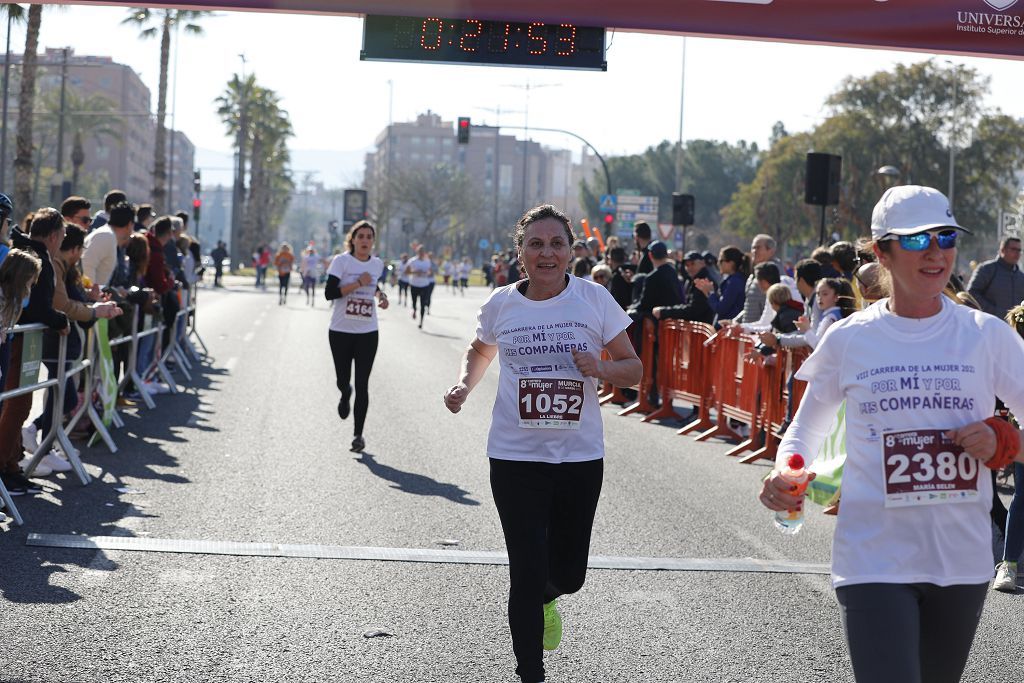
(546, 442)
(352, 279)
(420, 271)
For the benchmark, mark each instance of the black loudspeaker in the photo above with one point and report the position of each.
(822, 184)
(682, 209)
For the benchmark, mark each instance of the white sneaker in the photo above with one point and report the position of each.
(30, 437)
(41, 469)
(55, 461)
(1006, 578)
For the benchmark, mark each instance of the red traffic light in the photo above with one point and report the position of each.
(608, 218)
(463, 130)
(196, 203)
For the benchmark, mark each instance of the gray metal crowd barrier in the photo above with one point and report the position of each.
(179, 348)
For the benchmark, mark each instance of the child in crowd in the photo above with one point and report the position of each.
(836, 300)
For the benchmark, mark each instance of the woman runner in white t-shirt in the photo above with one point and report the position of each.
(352, 278)
(546, 442)
(912, 553)
(420, 271)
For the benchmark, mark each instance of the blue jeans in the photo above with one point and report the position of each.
(147, 345)
(1014, 545)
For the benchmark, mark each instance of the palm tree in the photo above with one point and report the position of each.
(15, 15)
(233, 108)
(271, 129)
(85, 118)
(26, 103)
(153, 21)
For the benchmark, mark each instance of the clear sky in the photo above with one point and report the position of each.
(733, 89)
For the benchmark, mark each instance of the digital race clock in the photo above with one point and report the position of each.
(482, 41)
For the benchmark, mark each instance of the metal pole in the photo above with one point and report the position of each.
(952, 141)
(63, 106)
(682, 102)
(607, 175)
(526, 143)
(3, 136)
(497, 169)
(387, 178)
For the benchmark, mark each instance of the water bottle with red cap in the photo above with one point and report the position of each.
(790, 521)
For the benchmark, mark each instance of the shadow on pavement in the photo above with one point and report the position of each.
(28, 573)
(417, 484)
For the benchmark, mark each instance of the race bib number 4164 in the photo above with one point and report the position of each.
(358, 309)
(550, 403)
(922, 467)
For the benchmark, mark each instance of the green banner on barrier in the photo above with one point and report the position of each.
(31, 355)
(828, 465)
(106, 385)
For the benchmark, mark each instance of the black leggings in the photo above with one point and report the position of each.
(347, 347)
(282, 285)
(423, 295)
(910, 633)
(547, 514)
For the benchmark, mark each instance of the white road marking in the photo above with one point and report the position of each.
(231, 363)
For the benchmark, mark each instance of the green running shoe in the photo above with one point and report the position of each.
(552, 626)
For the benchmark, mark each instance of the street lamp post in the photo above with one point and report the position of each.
(952, 138)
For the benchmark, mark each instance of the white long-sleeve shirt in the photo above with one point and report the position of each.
(100, 255)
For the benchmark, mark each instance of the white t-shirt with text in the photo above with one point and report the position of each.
(545, 410)
(905, 381)
(421, 272)
(357, 312)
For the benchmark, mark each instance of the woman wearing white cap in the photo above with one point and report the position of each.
(912, 550)
(546, 443)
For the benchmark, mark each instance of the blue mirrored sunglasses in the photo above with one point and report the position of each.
(922, 240)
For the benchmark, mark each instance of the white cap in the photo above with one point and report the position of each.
(910, 209)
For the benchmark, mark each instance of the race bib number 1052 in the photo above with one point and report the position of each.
(922, 467)
(550, 403)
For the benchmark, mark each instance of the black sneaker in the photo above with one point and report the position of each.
(15, 484)
(343, 404)
(358, 444)
(30, 484)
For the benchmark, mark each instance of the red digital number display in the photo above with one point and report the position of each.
(437, 39)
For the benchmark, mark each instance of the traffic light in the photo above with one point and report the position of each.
(196, 182)
(197, 204)
(463, 130)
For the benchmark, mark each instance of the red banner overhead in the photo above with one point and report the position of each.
(979, 27)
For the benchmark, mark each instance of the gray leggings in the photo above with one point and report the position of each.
(910, 633)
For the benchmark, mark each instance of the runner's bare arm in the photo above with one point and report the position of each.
(623, 370)
(474, 363)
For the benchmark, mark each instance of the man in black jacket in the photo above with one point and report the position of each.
(660, 288)
(45, 236)
(695, 305)
(621, 285)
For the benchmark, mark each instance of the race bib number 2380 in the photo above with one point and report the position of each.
(923, 467)
(550, 403)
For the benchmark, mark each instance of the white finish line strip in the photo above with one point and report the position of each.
(335, 552)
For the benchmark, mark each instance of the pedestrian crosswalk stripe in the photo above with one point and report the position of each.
(334, 552)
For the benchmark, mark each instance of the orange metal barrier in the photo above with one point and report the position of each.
(682, 370)
(643, 403)
(775, 399)
(609, 392)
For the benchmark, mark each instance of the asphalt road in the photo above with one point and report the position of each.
(253, 451)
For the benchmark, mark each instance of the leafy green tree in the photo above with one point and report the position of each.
(712, 171)
(91, 117)
(906, 118)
